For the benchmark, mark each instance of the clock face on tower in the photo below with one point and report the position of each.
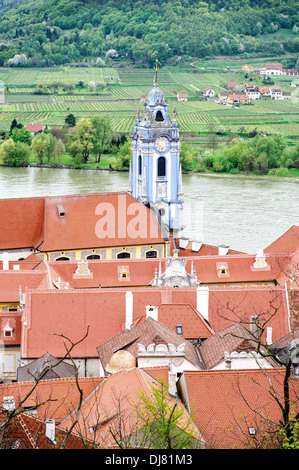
(162, 144)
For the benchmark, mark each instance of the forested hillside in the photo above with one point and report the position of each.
(55, 32)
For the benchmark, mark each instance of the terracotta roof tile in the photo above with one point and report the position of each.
(231, 338)
(147, 332)
(288, 242)
(224, 404)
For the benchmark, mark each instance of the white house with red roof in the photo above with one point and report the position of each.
(34, 128)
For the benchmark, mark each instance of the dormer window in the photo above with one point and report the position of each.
(179, 330)
(124, 275)
(223, 270)
(7, 332)
(61, 210)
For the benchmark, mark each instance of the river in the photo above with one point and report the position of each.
(243, 213)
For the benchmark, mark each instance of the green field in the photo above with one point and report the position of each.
(124, 87)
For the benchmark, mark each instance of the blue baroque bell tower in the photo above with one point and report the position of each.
(155, 173)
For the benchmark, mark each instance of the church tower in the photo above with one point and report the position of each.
(155, 172)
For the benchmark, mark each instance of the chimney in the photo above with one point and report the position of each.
(260, 259)
(183, 242)
(203, 301)
(5, 261)
(172, 383)
(8, 403)
(254, 328)
(50, 430)
(152, 312)
(222, 250)
(196, 246)
(129, 310)
(269, 335)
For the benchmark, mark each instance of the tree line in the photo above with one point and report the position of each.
(259, 154)
(56, 32)
(85, 140)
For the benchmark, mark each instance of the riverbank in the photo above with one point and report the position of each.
(269, 177)
(213, 174)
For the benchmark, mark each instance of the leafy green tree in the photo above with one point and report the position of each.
(103, 135)
(21, 135)
(14, 153)
(164, 423)
(187, 157)
(70, 120)
(40, 145)
(123, 156)
(82, 140)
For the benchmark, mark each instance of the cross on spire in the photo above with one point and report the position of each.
(156, 74)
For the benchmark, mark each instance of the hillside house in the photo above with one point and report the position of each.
(275, 92)
(182, 97)
(208, 92)
(253, 92)
(34, 129)
(232, 85)
(264, 91)
(238, 98)
(291, 72)
(286, 95)
(272, 69)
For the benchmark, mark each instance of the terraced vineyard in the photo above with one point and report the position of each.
(122, 96)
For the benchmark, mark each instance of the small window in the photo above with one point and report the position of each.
(151, 254)
(7, 332)
(124, 254)
(179, 330)
(139, 165)
(93, 257)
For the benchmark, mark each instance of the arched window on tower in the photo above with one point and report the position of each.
(139, 165)
(161, 167)
(159, 117)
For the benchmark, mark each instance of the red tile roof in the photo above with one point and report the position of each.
(70, 311)
(32, 127)
(145, 333)
(26, 431)
(55, 397)
(120, 393)
(51, 223)
(108, 273)
(11, 281)
(193, 323)
(21, 222)
(226, 403)
(232, 338)
(288, 242)
(274, 67)
(237, 304)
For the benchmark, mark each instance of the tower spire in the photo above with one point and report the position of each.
(156, 74)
